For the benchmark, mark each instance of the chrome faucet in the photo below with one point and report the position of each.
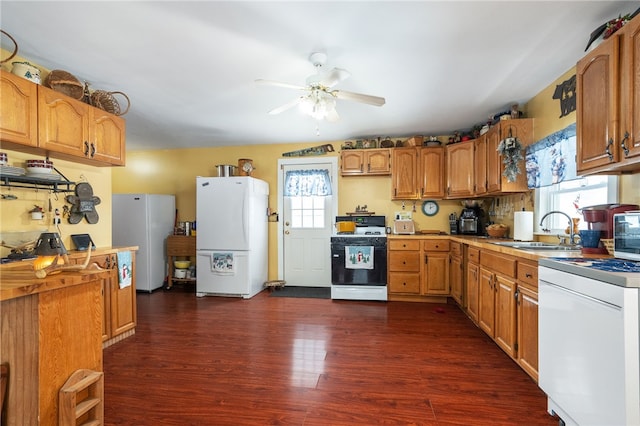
(572, 235)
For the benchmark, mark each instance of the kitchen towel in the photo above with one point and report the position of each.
(222, 263)
(523, 226)
(358, 257)
(125, 271)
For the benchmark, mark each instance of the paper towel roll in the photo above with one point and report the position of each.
(523, 226)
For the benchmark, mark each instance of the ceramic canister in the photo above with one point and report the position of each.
(26, 70)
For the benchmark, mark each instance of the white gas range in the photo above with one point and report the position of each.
(359, 260)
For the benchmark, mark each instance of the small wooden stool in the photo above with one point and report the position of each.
(82, 395)
(275, 284)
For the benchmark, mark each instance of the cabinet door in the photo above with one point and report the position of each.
(486, 309)
(432, 172)
(103, 261)
(480, 162)
(460, 169)
(107, 138)
(456, 279)
(377, 162)
(435, 279)
(496, 181)
(473, 291)
(63, 123)
(505, 314)
(123, 301)
(597, 112)
(630, 90)
(352, 162)
(404, 174)
(528, 331)
(18, 110)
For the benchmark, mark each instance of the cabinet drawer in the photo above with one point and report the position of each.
(528, 273)
(404, 244)
(404, 261)
(456, 249)
(473, 255)
(435, 245)
(499, 263)
(404, 282)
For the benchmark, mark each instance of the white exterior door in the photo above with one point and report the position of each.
(306, 228)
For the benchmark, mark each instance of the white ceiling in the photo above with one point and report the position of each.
(189, 67)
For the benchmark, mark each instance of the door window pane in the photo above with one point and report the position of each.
(308, 212)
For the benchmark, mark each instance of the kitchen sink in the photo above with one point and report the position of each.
(535, 245)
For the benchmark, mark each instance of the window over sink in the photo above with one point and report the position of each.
(570, 196)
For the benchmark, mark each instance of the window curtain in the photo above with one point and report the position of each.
(307, 183)
(552, 159)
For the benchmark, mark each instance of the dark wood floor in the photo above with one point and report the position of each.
(287, 361)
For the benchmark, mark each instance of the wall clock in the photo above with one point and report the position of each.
(430, 207)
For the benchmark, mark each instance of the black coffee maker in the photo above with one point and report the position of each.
(472, 219)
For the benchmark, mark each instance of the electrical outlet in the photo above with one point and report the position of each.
(56, 221)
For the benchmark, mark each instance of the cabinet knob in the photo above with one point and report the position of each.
(528, 275)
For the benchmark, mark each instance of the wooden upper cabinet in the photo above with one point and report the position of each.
(18, 110)
(630, 90)
(522, 129)
(608, 104)
(432, 172)
(597, 106)
(64, 123)
(108, 136)
(80, 131)
(480, 163)
(404, 174)
(460, 169)
(357, 162)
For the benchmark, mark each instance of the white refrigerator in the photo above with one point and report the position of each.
(144, 220)
(231, 238)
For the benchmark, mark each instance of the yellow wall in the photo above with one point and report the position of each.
(16, 223)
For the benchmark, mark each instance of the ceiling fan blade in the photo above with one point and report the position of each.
(334, 77)
(359, 97)
(280, 84)
(286, 106)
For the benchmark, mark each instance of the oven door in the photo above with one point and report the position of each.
(343, 271)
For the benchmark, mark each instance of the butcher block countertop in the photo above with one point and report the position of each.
(17, 279)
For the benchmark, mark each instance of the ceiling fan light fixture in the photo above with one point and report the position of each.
(319, 105)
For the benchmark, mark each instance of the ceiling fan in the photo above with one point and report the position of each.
(319, 99)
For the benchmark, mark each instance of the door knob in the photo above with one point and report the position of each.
(286, 232)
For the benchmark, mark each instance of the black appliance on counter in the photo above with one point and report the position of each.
(473, 221)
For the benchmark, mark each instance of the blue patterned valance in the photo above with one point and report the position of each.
(307, 183)
(552, 159)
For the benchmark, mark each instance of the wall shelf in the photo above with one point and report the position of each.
(62, 185)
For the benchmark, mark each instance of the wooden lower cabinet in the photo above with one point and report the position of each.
(527, 320)
(418, 269)
(527, 317)
(119, 304)
(486, 301)
(404, 267)
(473, 291)
(456, 274)
(435, 273)
(505, 314)
(501, 294)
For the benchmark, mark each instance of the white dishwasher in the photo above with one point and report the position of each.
(589, 342)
